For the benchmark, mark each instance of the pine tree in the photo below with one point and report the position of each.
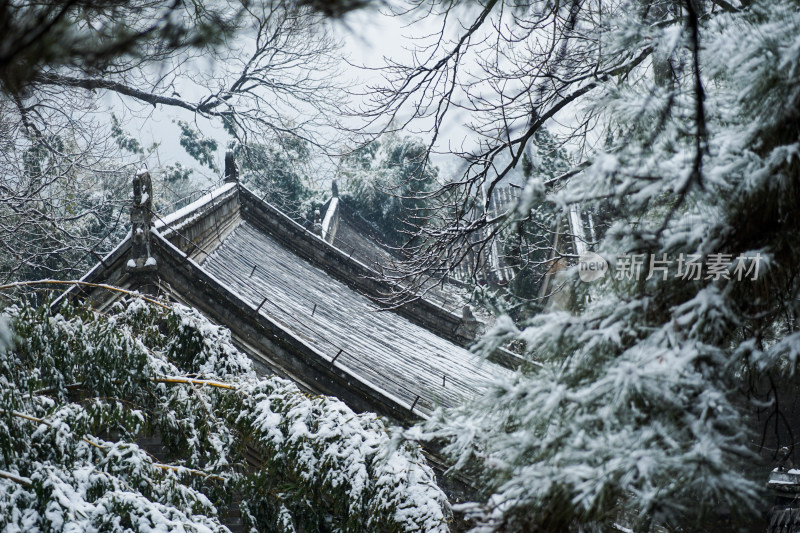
(635, 412)
(386, 181)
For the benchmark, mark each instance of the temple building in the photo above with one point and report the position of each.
(302, 304)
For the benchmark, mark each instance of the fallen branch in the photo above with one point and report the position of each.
(21, 480)
(188, 381)
(83, 284)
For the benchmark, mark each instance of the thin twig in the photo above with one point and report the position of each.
(83, 284)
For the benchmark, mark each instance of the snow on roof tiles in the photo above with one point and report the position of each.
(386, 350)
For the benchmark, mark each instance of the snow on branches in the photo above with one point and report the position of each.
(641, 411)
(79, 388)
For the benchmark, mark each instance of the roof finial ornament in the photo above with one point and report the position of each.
(142, 221)
(231, 170)
(317, 222)
(468, 325)
(334, 189)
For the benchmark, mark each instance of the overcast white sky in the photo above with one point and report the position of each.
(368, 36)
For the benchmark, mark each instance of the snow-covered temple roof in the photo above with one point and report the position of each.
(299, 306)
(784, 517)
(346, 230)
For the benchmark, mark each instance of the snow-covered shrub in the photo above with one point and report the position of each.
(77, 388)
(346, 460)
